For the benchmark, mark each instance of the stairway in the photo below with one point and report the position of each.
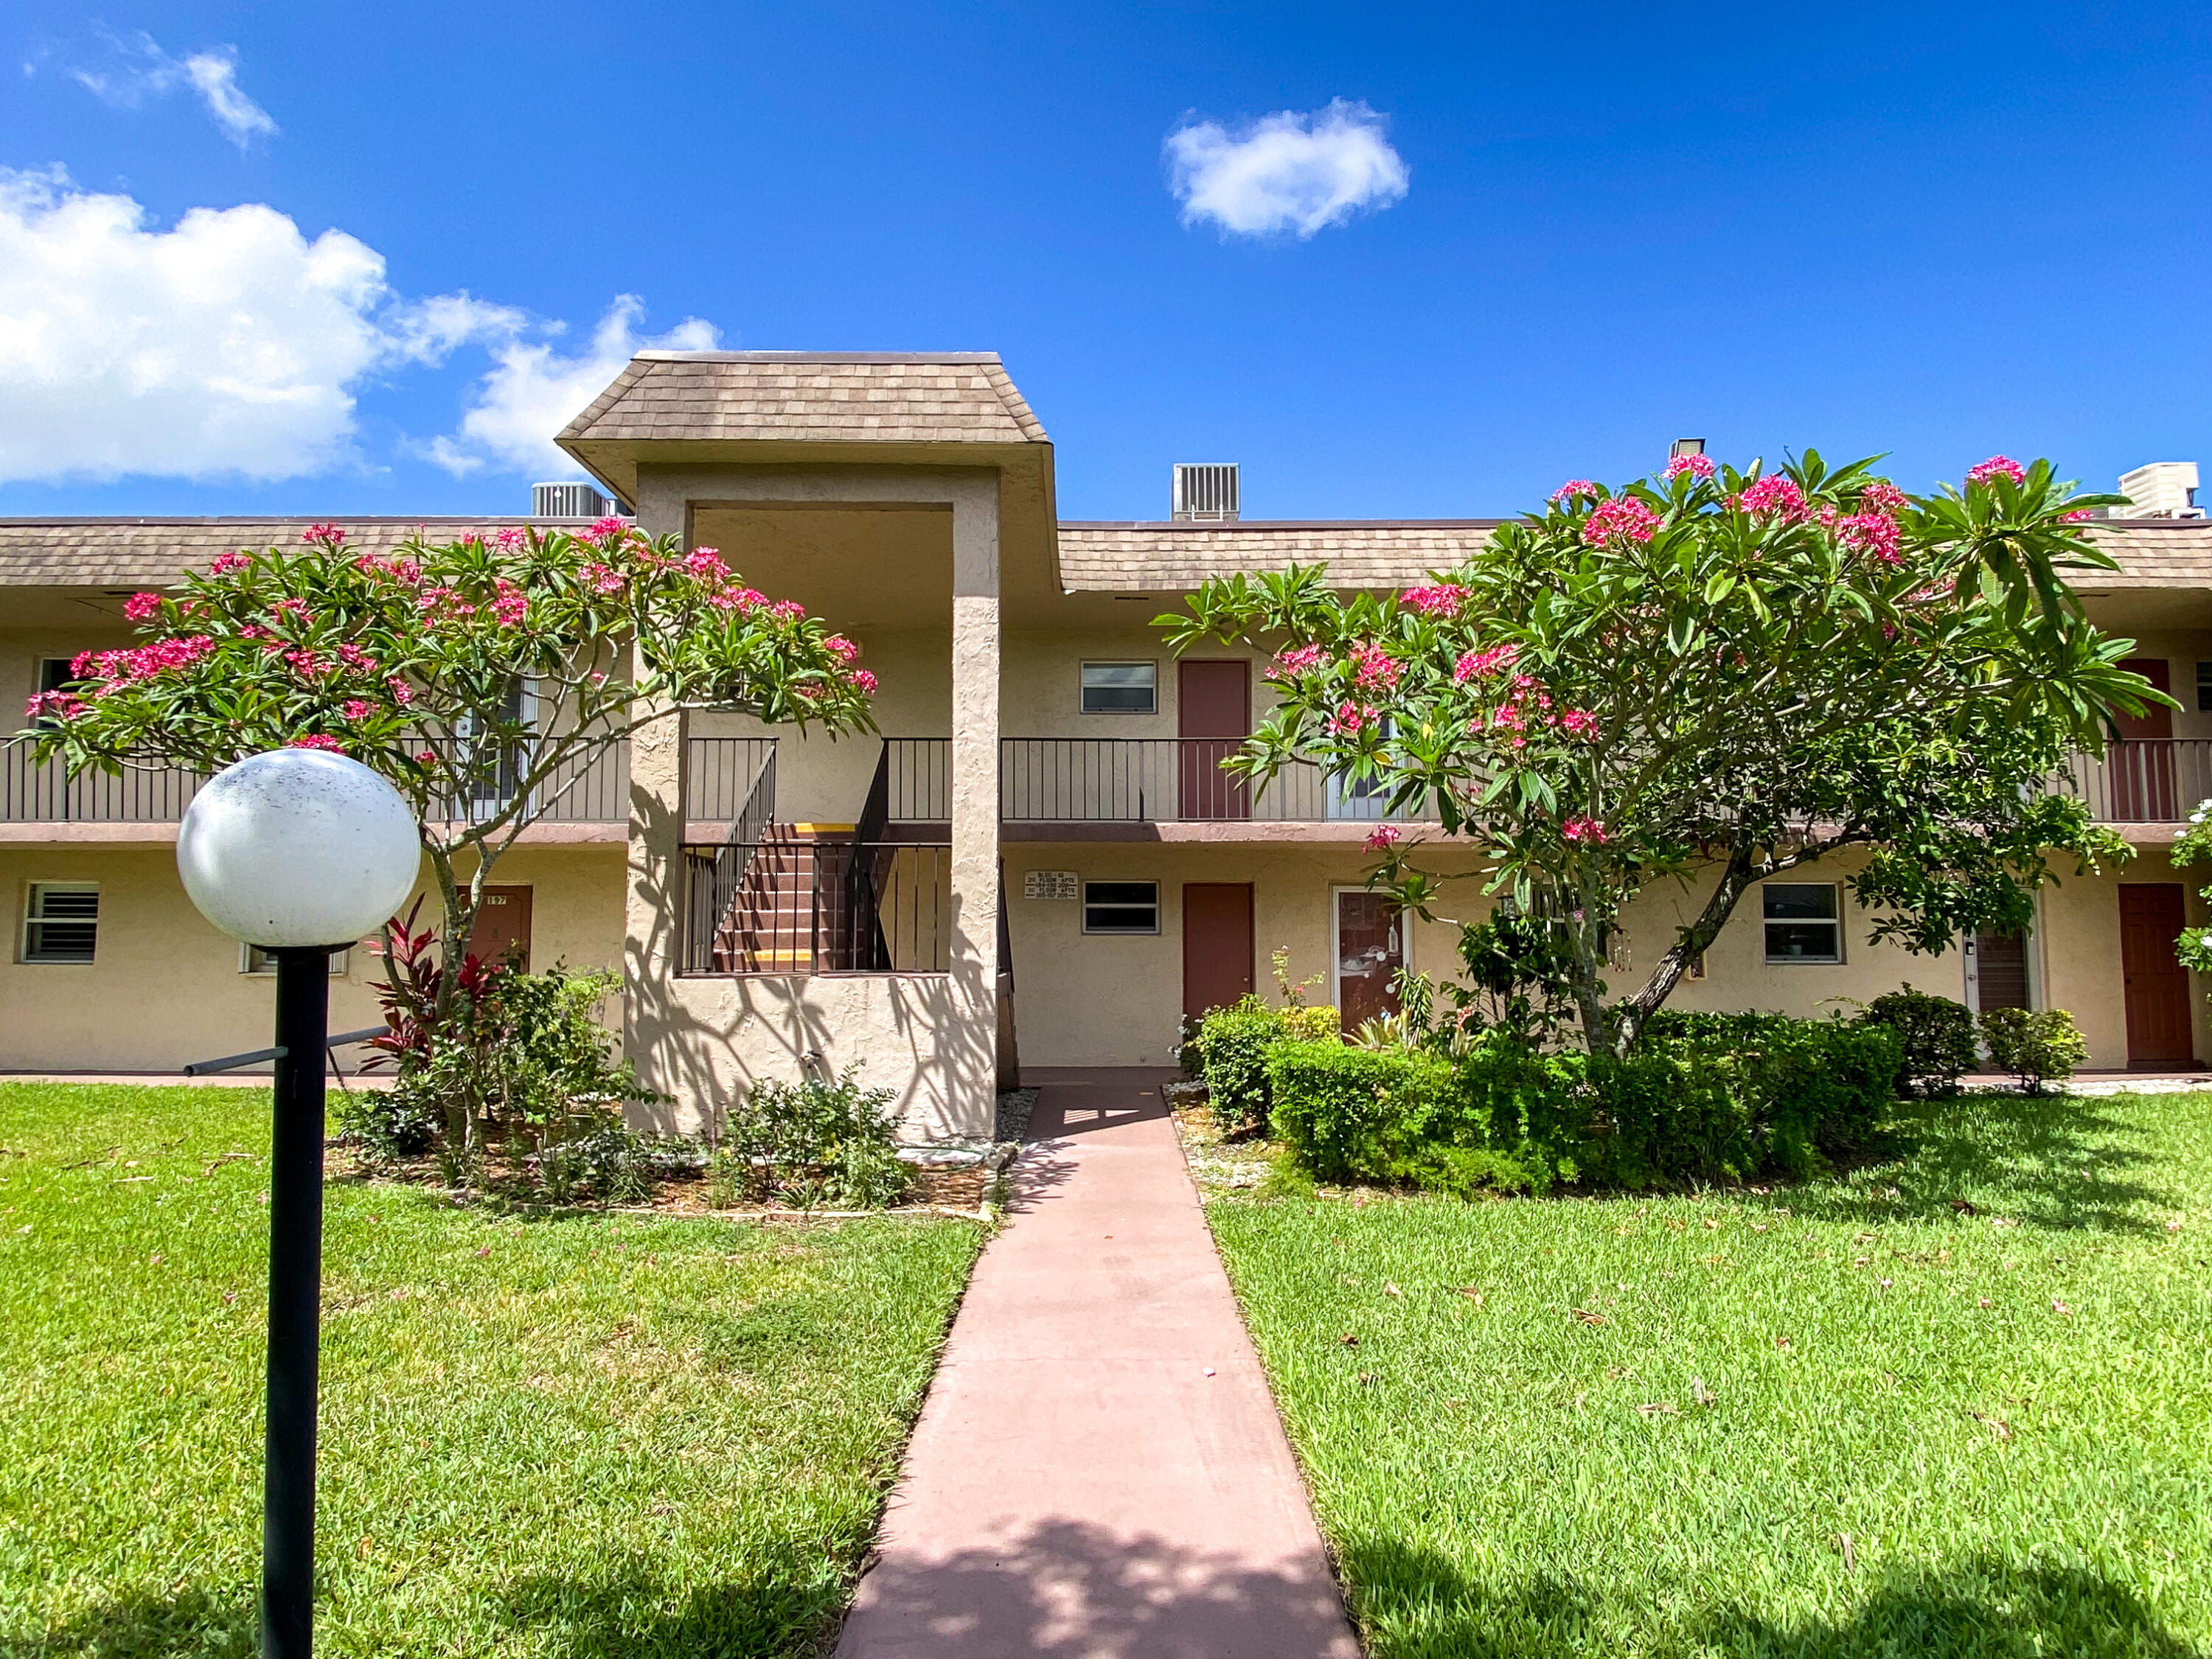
(791, 912)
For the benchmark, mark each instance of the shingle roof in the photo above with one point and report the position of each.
(1365, 554)
(149, 552)
(2153, 553)
(1116, 557)
(818, 397)
(1371, 554)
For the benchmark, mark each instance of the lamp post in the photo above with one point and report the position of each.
(300, 851)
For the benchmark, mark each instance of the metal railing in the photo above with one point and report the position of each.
(584, 789)
(1171, 780)
(2146, 779)
(720, 775)
(918, 778)
(716, 876)
(589, 787)
(35, 792)
(823, 907)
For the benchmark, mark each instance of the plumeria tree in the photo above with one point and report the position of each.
(482, 677)
(1708, 678)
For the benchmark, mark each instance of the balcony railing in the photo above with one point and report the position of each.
(2146, 780)
(722, 775)
(587, 789)
(1170, 781)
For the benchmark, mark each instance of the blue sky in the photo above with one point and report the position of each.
(1941, 231)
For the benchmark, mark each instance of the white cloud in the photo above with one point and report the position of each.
(1287, 172)
(532, 391)
(147, 71)
(231, 345)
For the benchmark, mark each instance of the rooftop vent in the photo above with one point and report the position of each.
(566, 500)
(1206, 492)
(2164, 490)
(1682, 447)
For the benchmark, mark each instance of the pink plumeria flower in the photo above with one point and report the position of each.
(1383, 837)
(1624, 516)
(1997, 466)
(1697, 466)
(317, 740)
(324, 535)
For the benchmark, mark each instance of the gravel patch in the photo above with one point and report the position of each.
(1014, 1109)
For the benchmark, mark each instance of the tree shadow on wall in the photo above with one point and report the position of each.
(1416, 1604)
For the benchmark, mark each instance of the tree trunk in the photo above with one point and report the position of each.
(1634, 1014)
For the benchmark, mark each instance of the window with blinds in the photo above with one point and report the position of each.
(61, 922)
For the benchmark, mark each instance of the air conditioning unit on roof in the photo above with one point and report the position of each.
(566, 500)
(1206, 492)
(2164, 490)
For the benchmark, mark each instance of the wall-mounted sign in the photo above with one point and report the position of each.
(1049, 884)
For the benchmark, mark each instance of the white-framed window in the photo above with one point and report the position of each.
(1120, 907)
(253, 959)
(1804, 921)
(1121, 687)
(61, 921)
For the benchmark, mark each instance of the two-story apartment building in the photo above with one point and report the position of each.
(1041, 855)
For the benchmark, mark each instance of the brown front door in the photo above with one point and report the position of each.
(2157, 985)
(502, 924)
(1371, 949)
(1216, 944)
(1213, 714)
(2140, 765)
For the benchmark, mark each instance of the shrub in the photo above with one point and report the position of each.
(1234, 1042)
(1935, 1037)
(524, 1053)
(611, 1161)
(814, 1144)
(1711, 1097)
(1318, 1024)
(387, 1125)
(2041, 1046)
(1355, 1114)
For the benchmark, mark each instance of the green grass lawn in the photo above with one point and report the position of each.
(1635, 1426)
(592, 1435)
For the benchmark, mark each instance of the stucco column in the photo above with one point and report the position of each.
(974, 783)
(654, 916)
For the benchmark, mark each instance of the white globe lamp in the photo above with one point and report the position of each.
(298, 846)
(299, 851)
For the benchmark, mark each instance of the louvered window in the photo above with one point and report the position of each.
(61, 922)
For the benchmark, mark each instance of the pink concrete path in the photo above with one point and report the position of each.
(1099, 1470)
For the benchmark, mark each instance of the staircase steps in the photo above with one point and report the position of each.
(792, 911)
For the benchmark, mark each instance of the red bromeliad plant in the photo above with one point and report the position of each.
(1707, 679)
(482, 677)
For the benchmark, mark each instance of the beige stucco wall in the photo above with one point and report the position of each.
(1116, 1000)
(819, 780)
(164, 987)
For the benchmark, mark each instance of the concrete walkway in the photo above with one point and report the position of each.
(1099, 1470)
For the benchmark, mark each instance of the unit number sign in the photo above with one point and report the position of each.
(1049, 884)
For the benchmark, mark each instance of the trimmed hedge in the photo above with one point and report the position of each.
(1233, 1045)
(1709, 1097)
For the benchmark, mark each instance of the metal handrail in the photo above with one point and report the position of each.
(805, 920)
(730, 863)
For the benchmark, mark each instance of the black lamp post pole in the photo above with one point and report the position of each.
(295, 1291)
